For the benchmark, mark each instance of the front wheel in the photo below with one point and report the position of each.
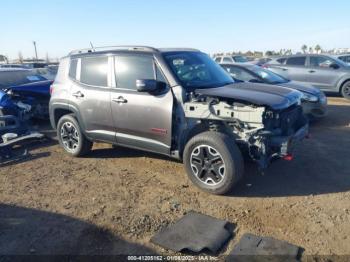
(345, 90)
(71, 137)
(213, 162)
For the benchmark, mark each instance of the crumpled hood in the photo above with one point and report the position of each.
(40, 88)
(276, 97)
(301, 87)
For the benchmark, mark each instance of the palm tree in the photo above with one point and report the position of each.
(311, 50)
(304, 48)
(318, 48)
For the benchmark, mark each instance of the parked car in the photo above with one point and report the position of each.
(260, 61)
(231, 59)
(176, 102)
(28, 87)
(345, 58)
(14, 66)
(323, 71)
(314, 101)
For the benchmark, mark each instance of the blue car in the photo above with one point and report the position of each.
(25, 87)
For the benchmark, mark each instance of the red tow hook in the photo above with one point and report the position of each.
(288, 157)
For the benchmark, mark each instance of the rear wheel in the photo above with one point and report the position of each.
(345, 90)
(71, 138)
(213, 162)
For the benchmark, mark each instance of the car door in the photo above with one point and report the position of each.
(295, 68)
(90, 97)
(142, 120)
(321, 74)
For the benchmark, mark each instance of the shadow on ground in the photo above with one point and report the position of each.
(25, 231)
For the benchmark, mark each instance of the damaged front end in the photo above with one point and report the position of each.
(265, 133)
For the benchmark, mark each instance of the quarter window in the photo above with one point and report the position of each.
(94, 71)
(128, 69)
(298, 60)
(281, 60)
(73, 68)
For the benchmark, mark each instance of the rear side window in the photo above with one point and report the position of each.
(298, 60)
(218, 59)
(130, 68)
(94, 71)
(73, 68)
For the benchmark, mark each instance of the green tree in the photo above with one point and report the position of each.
(318, 48)
(304, 48)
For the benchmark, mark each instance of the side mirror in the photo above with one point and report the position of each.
(334, 66)
(148, 85)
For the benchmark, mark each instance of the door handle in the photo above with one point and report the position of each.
(78, 94)
(312, 71)
(120, 99)
(284, 69)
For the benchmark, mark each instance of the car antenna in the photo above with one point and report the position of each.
(92, 47)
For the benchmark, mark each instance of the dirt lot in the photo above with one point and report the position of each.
(114, 200)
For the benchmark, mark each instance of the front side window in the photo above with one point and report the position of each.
(196, 70)
(94, 71)
(129, 68)
(320, 61)
(297, 60)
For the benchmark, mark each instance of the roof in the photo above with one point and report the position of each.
(104, 49)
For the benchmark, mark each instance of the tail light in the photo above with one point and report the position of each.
(51, 89)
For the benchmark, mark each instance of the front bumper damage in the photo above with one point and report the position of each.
(287, 143)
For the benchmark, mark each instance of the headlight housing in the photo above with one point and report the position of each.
(308, 97)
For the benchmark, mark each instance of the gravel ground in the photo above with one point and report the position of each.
(115, 199)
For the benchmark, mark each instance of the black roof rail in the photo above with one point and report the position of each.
(113, 48)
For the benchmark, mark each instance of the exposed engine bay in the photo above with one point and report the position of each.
(264, 132)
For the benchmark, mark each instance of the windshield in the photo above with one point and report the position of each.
(240, 59)
(268, 76)
(14, 78)
(196, 70)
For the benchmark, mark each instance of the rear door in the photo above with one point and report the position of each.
(142, 120)
(321, 75)
(90, 96)
(295, 68)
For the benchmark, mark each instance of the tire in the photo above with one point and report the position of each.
(71, 137)
(202, 153)
(345, 90)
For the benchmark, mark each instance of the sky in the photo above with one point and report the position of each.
(211, 26)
